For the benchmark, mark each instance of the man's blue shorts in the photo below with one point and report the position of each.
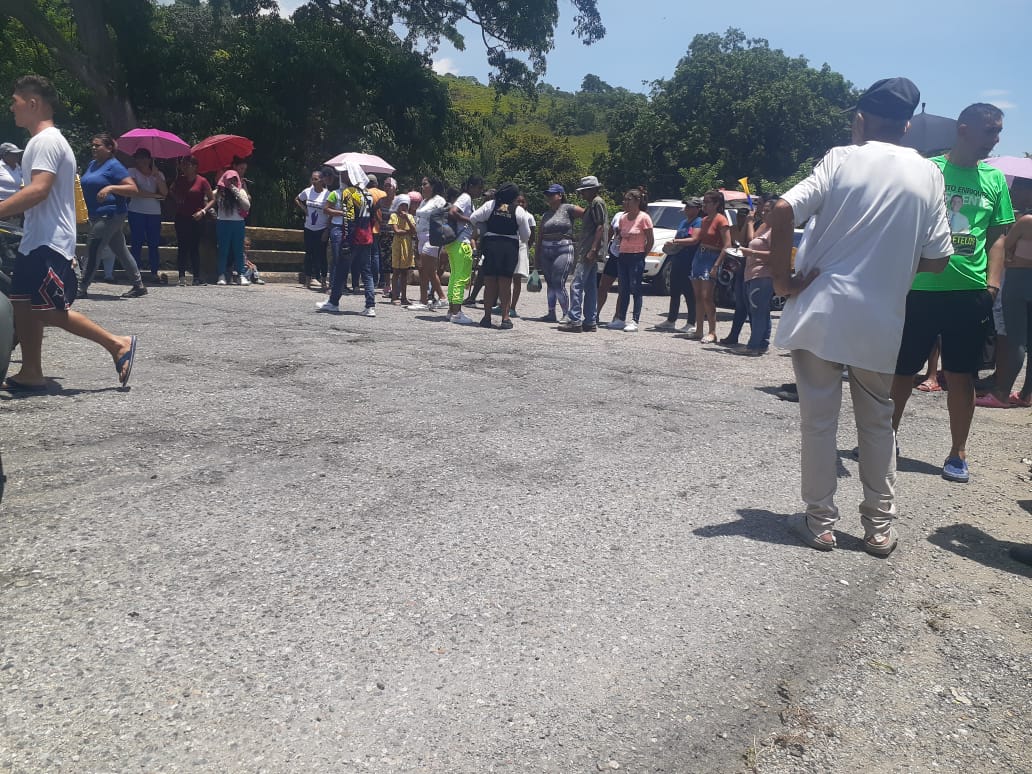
(45, 279)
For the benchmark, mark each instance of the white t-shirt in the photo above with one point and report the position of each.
(147, 184)
(430, 208)
(315, 218)
(875, 210)
(52, 221)
(464, 204)
(524, 221)
(10, 180)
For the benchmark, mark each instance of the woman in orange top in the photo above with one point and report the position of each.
(713, 239)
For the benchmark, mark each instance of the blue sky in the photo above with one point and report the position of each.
(957, 53)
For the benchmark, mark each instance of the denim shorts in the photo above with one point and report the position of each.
(702, 263)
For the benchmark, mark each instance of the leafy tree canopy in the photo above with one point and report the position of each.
(733, 108)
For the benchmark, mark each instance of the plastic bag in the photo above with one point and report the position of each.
(534, 282)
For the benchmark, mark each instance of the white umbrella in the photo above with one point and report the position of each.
(367, 161)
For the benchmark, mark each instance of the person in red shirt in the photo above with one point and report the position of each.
(192, 194)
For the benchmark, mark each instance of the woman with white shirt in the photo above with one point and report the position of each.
(434, 207)
(145, 210)
(312, 202)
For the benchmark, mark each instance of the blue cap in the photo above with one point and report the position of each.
(555, 188)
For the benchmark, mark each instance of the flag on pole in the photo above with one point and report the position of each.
(744, 182)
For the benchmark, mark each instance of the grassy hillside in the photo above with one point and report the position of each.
(524, 116)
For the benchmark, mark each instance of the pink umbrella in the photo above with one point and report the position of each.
(215, 153)
(734, 196)
(162, 145)
(1012, 166)
(369, 163)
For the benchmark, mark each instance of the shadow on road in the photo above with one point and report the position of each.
(909, 465)
(979, 546)
(755, 524)
(769, 527)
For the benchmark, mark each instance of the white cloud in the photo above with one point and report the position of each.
(1003, 104)
(989, 93)
(445, 66)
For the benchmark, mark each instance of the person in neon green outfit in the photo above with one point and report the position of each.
(460, 252)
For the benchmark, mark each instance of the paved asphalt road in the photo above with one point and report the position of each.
(324, 543)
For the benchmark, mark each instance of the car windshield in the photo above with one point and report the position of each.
(666, 217)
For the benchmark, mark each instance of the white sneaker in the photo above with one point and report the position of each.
(369, 311)
(462, 319)
(616, 325)
(564, 320)
(631, 327)
(666, 325)
(244, 280)
(439, 304)
(326, 306)
(417, 307)
(687, 328)
(222, 280)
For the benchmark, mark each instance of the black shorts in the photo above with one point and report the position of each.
(611, 270)
(962, 317)
(501, 255)
(45, 279)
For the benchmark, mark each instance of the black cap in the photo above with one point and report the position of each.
(893, 98)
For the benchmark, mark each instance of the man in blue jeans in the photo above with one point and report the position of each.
(584, 291)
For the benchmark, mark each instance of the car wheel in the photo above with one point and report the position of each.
(661, 284)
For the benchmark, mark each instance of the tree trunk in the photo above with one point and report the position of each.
(95, 67)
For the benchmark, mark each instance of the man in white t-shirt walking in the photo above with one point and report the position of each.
(877, 216)
(45, 284)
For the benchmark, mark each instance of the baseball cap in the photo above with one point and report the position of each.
(892, 98)
(9, 147)
(694, 201)
(588, 182)
(555, 188)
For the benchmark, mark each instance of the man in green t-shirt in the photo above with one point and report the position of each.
(956, 305)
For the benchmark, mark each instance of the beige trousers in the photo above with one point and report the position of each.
(820, 399)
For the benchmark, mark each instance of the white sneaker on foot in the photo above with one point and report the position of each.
(461, 319)
(616, 325)
(687, 328)
(222, 280)
(369, 311)
(631, 327)
(564, 319)
(326, 306)
(415, 306)
(244, 280)
(439, 304)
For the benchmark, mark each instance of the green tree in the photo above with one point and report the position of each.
(97, 41)
(533, 161)
(737, 102)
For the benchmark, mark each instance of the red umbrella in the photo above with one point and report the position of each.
(217, 152)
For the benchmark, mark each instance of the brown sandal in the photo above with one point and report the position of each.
(822, 541)
(881, 543)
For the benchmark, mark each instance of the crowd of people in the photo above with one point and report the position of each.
(917, 254)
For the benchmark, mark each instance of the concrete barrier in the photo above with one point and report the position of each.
(273, 250)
